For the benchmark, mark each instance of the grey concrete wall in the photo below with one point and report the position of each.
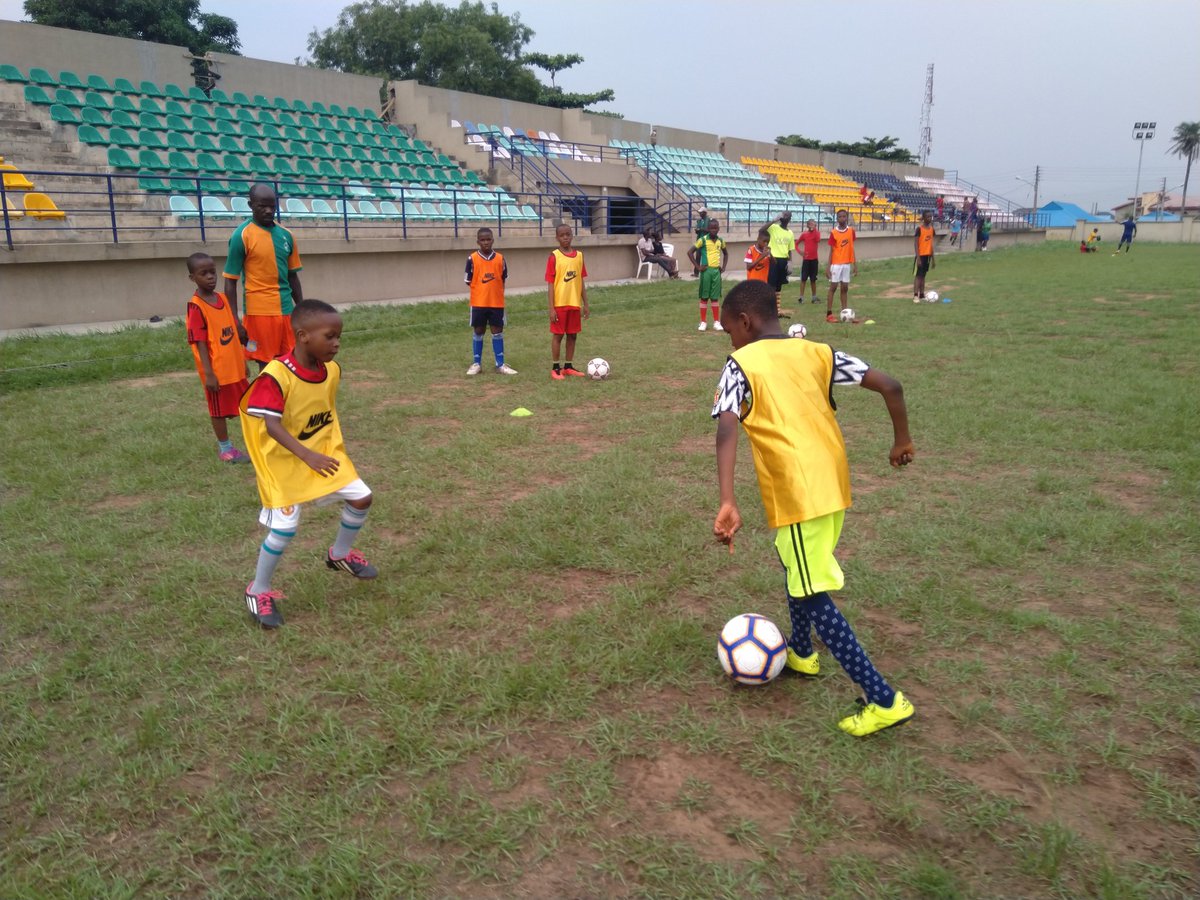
(272, 79)
(1186, 231)
(26, 45)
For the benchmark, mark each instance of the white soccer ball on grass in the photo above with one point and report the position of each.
(751, 649)
(847, 315)
(598, 368)
(931, 297)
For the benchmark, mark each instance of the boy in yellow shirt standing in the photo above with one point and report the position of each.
(567, 295)
(290, 421)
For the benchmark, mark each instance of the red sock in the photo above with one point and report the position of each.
(703, 308)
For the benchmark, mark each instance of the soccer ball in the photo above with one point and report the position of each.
(931, 296)
(847, 315)
(751, 649)
(797, 330)
(598, 369)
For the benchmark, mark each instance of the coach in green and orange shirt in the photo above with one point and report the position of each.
(266, 254)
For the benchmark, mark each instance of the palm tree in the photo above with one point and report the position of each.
(1185, 142)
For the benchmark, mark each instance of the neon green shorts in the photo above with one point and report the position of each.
(710, 284)
(806, 551)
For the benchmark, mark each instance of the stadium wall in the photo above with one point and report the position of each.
(1185, 231)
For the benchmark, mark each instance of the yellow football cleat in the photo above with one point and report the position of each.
(872, 717)
(805, 665)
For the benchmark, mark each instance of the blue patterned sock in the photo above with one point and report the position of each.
(477, 348)
(498, 348)
(224, 446)
(839, 637)
(268, 558)
(801, 637)
(352, 521)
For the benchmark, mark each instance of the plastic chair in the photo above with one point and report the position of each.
(60, 113)
(13, 179)
(41, 76)
(39, 206)
(89, 134)
(214, 207)
(14, 212)
(183, 207)
(11, 73)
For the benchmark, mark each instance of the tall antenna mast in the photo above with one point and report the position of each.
(927, 117)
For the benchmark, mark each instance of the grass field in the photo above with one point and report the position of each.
(527, 701)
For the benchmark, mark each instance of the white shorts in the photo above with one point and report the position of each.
(286, 518)
(840, 274)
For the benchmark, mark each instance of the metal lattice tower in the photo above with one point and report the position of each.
(927, 117)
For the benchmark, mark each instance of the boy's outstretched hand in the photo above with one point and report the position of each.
(728, 522)
(322, 464)
(901, 454)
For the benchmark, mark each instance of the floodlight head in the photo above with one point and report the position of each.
(1149, 135)
(1152, 125)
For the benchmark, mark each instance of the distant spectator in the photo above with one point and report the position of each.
(955, 230)
(1127, 235)
(701, 229)
(648, 253)
(781, 244)
(941, 207)
(985, 233)
(1093, 240)
(807, 246)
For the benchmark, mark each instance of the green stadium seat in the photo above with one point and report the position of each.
(267, 117)
(234, 164)
(260, 167)
(306, 169)
(64, 114)
(177, 140)
(335, 110)
(150, 160)
(300, 150)
(216, 95)
(272, 132)
(120, 101)
(261, 102)
(422, 174)
(90, 135)
(456, 176)
(388, 173)
(12, 73)
(96, 117)
(283, 166)
(42, 77)
(125, 86)
(228, 144)
(299, 105)
(242, 114)
(475, 178)
(181, 184)
(119, 159)
(181, 124)
(204, 126)
(196, 94)
(347, 170)
(150, 105)
(305, 121)
(206, 162)
(174, 91)
(183, 207)
(320, 151)
(122, 119)
(199, 111)
(339, 152)
(253, 145)
(151, 139)
(96, 100)
(225, 126)
(280, 103)
(121, 137)
(154, 184)
(149, 89)
(223, 112)
(326, 124)
(240, 99)
(358, 154)
(67, 98)
(70, 80)
(378, 156)
(180, 162)
(291, 133)
(275, 148)
(404, 173)
(326, 170)
(145, 120)
(317, 107)
(217, 186)
(288, 119)
(248, 129)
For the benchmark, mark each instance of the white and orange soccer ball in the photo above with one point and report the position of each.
(751, 649)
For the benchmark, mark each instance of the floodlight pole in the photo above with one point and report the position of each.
(1142, 132)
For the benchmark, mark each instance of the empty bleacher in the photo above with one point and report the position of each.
(894, 189)
(201, 150)
(955, 195)
(820, 186)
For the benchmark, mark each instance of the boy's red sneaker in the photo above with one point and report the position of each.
(557, 374)
(571, 370)
(831, 318)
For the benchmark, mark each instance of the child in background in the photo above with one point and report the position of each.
(758, 258)
(807, 246)
(567, 294)
(842, 262)
(781, 393)
(955, 230)
(923, 259)
(486, 273)
(710, 257)
(212, 332)
(290, 421)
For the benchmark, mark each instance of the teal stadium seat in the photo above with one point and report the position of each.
(183, 207)
(119, 159)
(266, 117)
(242, 114)
(261, 102)
(42, 77)
(225, 126)
(216, 95)
(120, 137)
(253, 145)
(150, 105)
(322, 209)
(180, 162)
(204, 126)
(145, 120)
(67, 98)
(275, 147)
(64, 114)
(260, 167)
(151, 139)
(240, 99)
(203, 142)
(90, 135)
(182, 124)
(228, 144)
(294, 208)
(299, 105)
(197, 111)
(70, 80)
(196, 94)
(214, 207)
(280, 103)
(96, 100)
(222, 112)
(153, 184)
(120, 101)
(125, 86)
(118, 117)
(270, 131)
(239, 206)
(235, 165)
(12, 73)
(151, 161)
(149, 89)
(174, 91)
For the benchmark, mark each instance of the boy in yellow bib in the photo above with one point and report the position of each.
(781, 391)
(290, 421)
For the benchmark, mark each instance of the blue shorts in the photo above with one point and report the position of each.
(482, 316)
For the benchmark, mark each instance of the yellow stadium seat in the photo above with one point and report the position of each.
(13, 211)
(39, 206)
(14, 180)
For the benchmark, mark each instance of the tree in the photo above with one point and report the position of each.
(1185, 142)
(471, 47)
(552, 64)
(869, 147)
(161, 21)
(556, 96)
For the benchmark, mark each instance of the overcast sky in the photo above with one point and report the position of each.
(1017, 83)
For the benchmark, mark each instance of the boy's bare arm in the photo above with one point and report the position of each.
(728, 520)
(550, 299)
(210, 377)
(231, 295)
(902, 451)
(318, 462)
(584, 300)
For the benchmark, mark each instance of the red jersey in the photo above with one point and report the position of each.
(810, 240)
(757, 272)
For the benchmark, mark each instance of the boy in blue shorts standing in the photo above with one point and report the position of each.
(710, 257)
(485, 275)
(780, 390)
